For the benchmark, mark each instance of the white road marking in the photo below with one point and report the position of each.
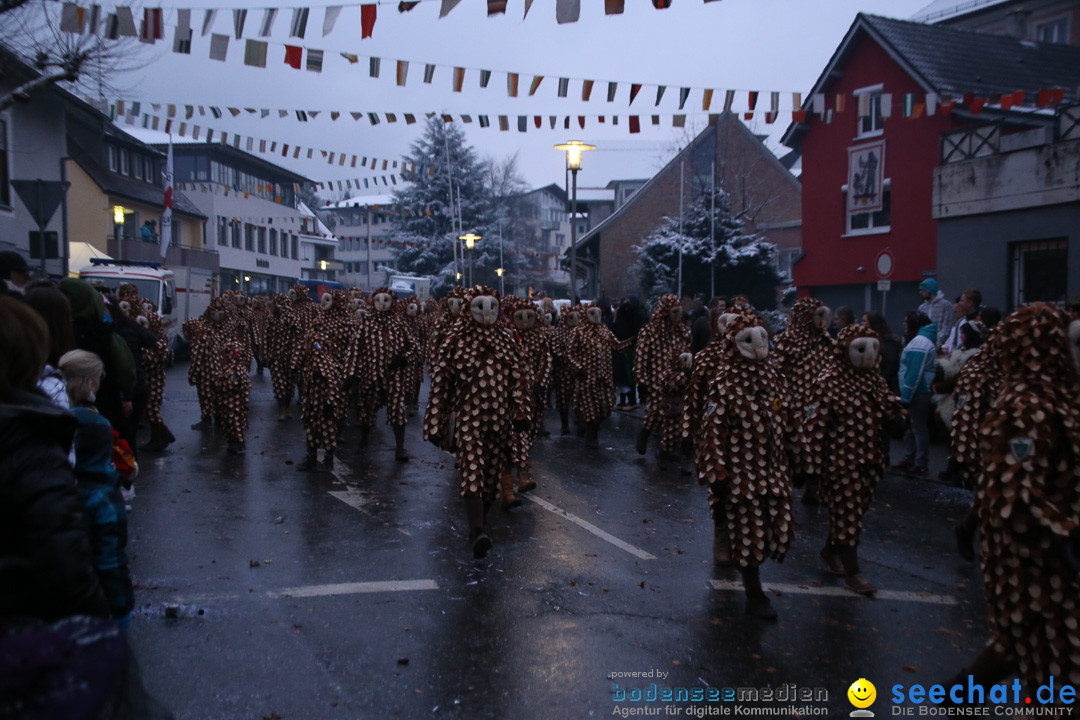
(833, 591)
(355, 588)
(635, 551)
(355, 498)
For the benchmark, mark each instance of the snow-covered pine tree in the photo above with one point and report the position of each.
(741, 264)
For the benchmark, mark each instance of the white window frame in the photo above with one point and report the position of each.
(877, 121)
(1059, 21)
(886, 187)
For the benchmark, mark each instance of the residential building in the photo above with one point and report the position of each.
(1008, 214)
(868, 159)
(252, 217)
(115, 175)
(362, 225)
(1055, 21)
(318, 248)
(763, 192)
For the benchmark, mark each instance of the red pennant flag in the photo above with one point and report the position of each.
(798, 115)
(635, 124)
(969, 98)
(661, 4)
(947, 106)
(538, 121)
(977, 105)
(752, 101)
(367, 20)
(581, 121)
(293, 55)
(1057, 95)
(634, 88)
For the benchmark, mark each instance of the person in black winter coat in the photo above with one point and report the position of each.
(45, 562)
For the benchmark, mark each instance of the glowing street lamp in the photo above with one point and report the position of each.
(499, 272)
(470, 240)
(574, 149)
(118, 226)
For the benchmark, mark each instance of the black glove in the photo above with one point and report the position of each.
(802, 479)
(397, 361)
(687, 448)
(896, 426)
(520, 425)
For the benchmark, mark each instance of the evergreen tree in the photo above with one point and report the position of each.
(741, 264)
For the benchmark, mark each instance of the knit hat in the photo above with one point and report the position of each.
(929, 285)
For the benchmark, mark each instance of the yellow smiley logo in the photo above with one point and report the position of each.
(862, 693)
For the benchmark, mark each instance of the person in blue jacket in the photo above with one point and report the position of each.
(916, 374)
(99, 483)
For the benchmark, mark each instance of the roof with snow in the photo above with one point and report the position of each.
(942, 10)
(361, 201)
(949, 60)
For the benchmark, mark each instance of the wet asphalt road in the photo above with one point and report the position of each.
(352, 593)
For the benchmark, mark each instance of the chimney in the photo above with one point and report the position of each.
(1018, 23)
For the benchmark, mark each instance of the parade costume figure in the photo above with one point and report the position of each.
(591, 346)
(283, 334)
(225, 361)
(154, 361)
(306, 310)
(409, 310)
(321, 377)
(377, 363)
(707, 365)
(479, 397)
(194, 330)
(803, 351)
(742, 457)
(338, 320)
(847, 408)
(976, 389)
(1029, 504)
(659, 345)
(445, 323)
(262, 309)
(563, 375)
(536, 350)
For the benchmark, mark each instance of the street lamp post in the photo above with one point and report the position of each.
(118, 225)
(573, 149)
(470, 240)
(499, 271)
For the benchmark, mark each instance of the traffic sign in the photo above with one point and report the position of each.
(884, 264)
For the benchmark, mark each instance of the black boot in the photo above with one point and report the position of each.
(399, 439)
(475, 512)
(166, 435)
(592, 432)
(757, 602)
(310, 461)
(282, 410)
(206, 423)
(365, 434)
(564, 417)
(156, 443)
(328, 460)
(856, 581)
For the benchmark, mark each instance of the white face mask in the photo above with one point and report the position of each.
(484, 310)
(863, 352)
(547, 319)
(524, 319)
(675, 313)
(724, 320)
(822, 317)
(327, 301)
(753, 343)
(382, 302)
(292, 296)
(412, 310)
(147, 308)
(594, 315)
(455, 306)
(686, 361)
(572, 319)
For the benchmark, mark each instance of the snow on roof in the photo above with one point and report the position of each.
(320, 228)
(363, 201)
(595, 195)
(941, 10)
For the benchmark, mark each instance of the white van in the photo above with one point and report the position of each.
(153, 281)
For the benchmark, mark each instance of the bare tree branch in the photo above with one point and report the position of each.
(23, 92)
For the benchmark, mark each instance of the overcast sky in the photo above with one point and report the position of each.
(763, 45)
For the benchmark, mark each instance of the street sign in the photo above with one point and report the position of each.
(41, 197)
(884, 265)
(884, 285)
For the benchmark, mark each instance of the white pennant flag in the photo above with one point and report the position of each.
(330, 19)
(269, 16)
(166, 214)
(447, 6)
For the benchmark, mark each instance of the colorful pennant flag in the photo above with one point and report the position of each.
(368, 14)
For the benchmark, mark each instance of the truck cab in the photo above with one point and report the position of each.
(153, 281)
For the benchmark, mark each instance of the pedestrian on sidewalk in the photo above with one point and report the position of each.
(915, 377)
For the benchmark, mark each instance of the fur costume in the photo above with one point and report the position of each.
(976, 389)
(591, 346)
(536, 352)
(154, 361)
(708, 363)
(741, 456)
(1029, 499)
(410, 311)
(261, 312)
(840, 435)
(223, 357)
(659, 345)
(306, 310)
(445, 322)
(479, 375)
(377, 361)
(338, 321)
(321, 376)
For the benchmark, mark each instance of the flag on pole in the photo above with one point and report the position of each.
(166, 213)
